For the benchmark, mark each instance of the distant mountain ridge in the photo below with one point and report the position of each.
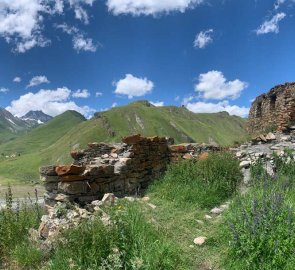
(38, 117)
(51, 142)
(11, 126)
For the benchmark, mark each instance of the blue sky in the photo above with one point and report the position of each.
(90, 55)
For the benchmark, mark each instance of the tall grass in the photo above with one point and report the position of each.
(204, 183)
(15, 221)
(129, 243)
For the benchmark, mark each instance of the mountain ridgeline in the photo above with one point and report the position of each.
(51, 142)
(38, 117)
(12, 126)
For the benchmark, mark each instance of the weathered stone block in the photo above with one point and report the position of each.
(49, 179)
(72, 188)
(51, 186)
(69, 170)
(72, 178)
(48, 170)
(129, 140)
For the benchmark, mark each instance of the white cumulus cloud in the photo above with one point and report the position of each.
(207, 107)
(213, 85)
(133, 86)
(203, 39)
(22, 22)
(37, 80)
(272, 25)
(150, 7)
(98, 94)
(51, 102)
(17, 79)
(81, 93)
(3, 90)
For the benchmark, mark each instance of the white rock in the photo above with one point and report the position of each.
(246, 176)
(200, 240)
(130, 199)
(152, 206)
(109, 199)
(216, 211)
(245, 164)
(208, 217)
(270, 137)
(240, 154)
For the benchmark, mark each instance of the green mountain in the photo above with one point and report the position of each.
(52, 142)
(21, 157)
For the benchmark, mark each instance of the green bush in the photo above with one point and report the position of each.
(130, 242)
(262, 224)
(204, 183)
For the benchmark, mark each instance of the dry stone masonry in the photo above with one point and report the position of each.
(262, 149)
(122, 169)
(273, 111)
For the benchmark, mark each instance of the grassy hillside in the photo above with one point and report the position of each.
(52, 142)
(28, 152)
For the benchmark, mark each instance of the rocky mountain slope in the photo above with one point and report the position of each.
(52, 142)
(11, 126)
(37, 117)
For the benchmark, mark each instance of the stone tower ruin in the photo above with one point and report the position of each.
(273, 111)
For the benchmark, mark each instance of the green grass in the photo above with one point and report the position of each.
(203, 183)
(130, 243)
(262, 222)
(15, 223)
(142, 237)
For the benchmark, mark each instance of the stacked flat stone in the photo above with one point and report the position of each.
(122, 169)
(191, 150)
(273, 111)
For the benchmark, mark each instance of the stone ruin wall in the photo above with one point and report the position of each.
(122, 169)
(273, 111)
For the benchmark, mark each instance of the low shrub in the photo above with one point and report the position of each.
(204, 183)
